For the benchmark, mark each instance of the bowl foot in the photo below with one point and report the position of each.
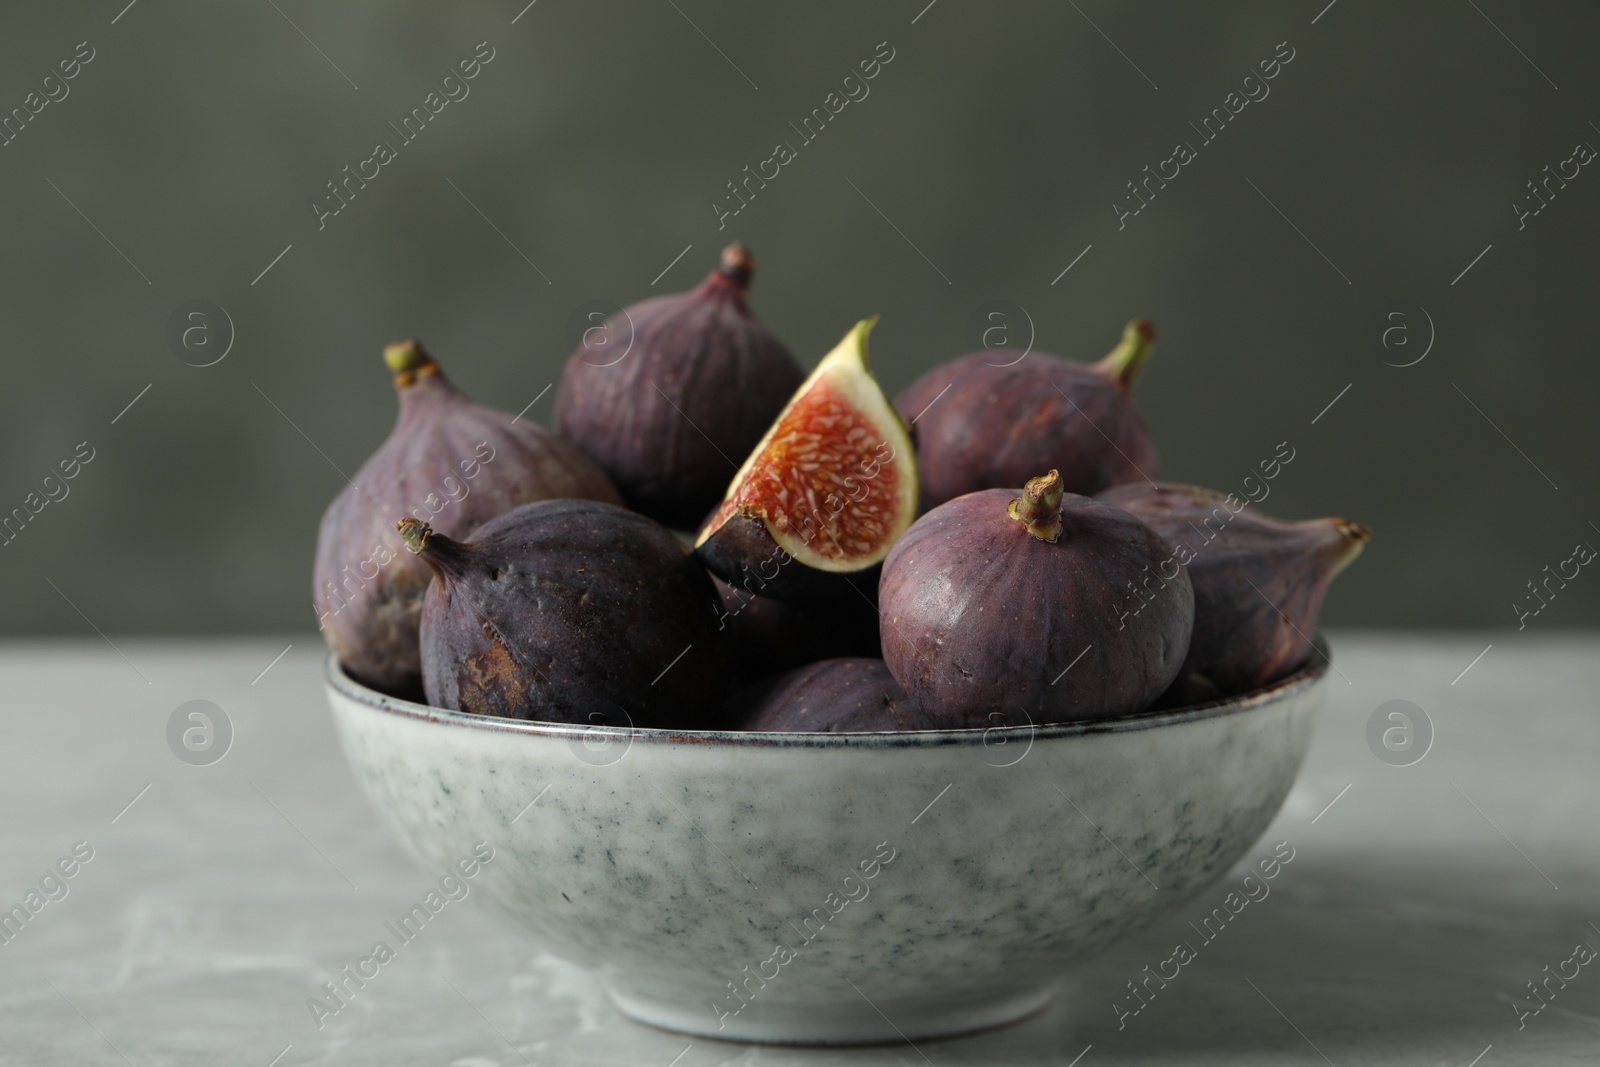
(851, 1022)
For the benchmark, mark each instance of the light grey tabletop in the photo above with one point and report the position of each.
(1421, 900)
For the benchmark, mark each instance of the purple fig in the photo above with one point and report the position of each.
(981, 424)
(697, 383)
(451, 463)
(1046, 606)
(569, 611)
(768, 636)
(830, 487)
(837, 696)
(1258, 583)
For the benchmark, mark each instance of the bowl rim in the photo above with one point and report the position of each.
(1313, 672)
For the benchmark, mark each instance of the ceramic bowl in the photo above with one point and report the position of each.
(831, 888)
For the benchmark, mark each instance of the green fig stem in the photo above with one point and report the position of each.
(409, 361)
(448, 559)
(1129, 357)
(738, 265)
(415, 533)
(1039, 507)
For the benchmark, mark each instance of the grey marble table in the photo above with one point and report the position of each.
(216, 899)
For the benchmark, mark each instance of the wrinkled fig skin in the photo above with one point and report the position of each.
(768, 636)
(837, 696)
(449, 461)
(700, 384)
(572, 611)
(981, 616)
(1241, 642)
(998, 426)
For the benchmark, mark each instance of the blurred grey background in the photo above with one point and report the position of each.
(185, 156)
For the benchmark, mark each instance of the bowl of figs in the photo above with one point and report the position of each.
(799, 714)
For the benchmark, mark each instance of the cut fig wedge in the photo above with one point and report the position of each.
(826, 493)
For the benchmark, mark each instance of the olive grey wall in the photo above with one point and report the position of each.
(1314, 245)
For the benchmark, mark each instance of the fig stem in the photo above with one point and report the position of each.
(448, 559)
(1353, 537)
(1125, 361)
(409, 361)
(415, 533)
(1039, 507)
(738, 265)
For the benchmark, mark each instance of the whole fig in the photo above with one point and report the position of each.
(448, 462)
(836, 696)
(768, 636)
(999, 603)
(986, 425)
(1258, 583)
(698, 382)
(569, 611)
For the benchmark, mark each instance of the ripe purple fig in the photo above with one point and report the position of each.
(697, 383)
(1258, 583)
(1031, 607)
(837, 696)
(569, 611)
(448, 462)
(982, 424)
(768, 636)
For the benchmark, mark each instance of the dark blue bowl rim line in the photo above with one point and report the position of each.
(1314, 671)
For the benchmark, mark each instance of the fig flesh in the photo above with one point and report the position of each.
(452, 463)
(1045, 607)
(1259, 583)
(825, 494)
(985, 425)
(836, 696)
(570, 611)
(698, 381)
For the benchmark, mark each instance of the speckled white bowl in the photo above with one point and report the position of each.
(821, 888)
